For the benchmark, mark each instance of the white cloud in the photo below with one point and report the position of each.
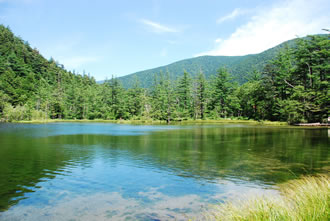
(230, 16)
(156, 27)
(272, 26)
(75, 62)
(218, 40)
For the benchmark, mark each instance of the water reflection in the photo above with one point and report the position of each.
(145, 172)
(102, 206)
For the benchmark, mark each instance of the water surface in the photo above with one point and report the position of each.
(89, 171)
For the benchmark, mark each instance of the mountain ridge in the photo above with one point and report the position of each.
(238, 66)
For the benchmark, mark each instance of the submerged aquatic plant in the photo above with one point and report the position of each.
(302, 199)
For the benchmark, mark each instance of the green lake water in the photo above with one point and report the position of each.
(100, 171)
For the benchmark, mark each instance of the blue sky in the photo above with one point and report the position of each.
(106, 37)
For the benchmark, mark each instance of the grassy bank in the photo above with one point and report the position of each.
(226, 121)
(152, 122)
(303, 199)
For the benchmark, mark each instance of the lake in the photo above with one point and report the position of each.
(101, 171)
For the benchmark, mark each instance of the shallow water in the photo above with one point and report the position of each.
(89, 171)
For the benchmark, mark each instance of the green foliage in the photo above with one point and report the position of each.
(163, 102)
(38, 115)
(184, 96)
(298, 82)
(17, 113)
(200, 96)
(293, 87)
(221, 88)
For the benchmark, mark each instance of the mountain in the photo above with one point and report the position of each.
(238, 66)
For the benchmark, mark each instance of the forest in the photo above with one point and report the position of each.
(293, 87)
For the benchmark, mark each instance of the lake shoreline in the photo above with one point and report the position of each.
(177, 122)
(157, 122)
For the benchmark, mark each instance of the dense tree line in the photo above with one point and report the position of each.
(294, 87)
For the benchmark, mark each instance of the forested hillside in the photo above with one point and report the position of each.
(33, 87)
(237, 66)
(292, 87)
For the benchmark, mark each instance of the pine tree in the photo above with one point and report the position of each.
(200, 96)
(185, 96)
